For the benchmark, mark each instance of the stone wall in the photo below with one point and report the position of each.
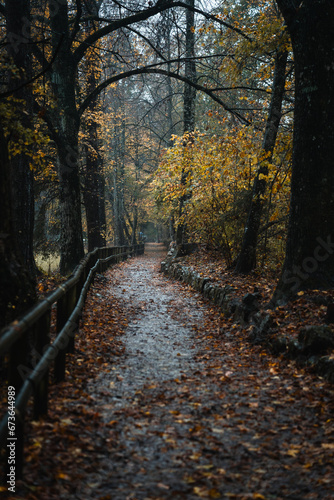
(314, 347)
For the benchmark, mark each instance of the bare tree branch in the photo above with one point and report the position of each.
(159, 71)
(148, 41)
(142, 16)
(76, 26)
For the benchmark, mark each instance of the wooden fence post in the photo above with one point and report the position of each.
(42, 389)
(18, 359)
(60, 360)
(73, 295)
(65, 306)
(114, 253)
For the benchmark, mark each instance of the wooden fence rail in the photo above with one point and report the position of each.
(26, 353)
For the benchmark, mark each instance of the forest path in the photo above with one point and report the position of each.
(185, 410)
(191, 422)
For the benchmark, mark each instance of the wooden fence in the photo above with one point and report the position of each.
(26, 353)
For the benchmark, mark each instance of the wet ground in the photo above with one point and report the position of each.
(192, 411)
(158, 342)
(159, 356)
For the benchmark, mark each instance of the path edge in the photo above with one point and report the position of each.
(247, 313)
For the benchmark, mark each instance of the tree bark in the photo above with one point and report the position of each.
(93, 187)
(190, 71)
(17, 289)
(309, 260)
(118, 208)
(93, 194)
(19, 49)
(102, 204)
(188, 110)
(118, 185)
(91, 198)
(247, 258)
(63, 85)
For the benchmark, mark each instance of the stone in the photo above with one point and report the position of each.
(247, 308)
(320, 300)
(184, 249)
(325, 367)
(262, 324)
(316, 339)
(329, 318)
(279, 345)
(294, 348)
(202, 282)
(206, 289)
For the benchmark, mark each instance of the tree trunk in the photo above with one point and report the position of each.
(19, 49)
(91, 197)
(71, 242)
(309, 260)
(134, 226)
(93, 186)
(188, 111)
(119, 237)
(118, 206)
(93, 191)
(190, 71)
(118, 186)
(17, 289)
(247, 257)
(102, 205)
(135, 195)
(63, 85)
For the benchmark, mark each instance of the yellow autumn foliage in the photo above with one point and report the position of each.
(220, 171)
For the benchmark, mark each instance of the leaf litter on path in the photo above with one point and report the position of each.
(161, 402)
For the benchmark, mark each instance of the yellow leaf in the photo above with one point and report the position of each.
(189, 479)
(293, 452)
(61, 475)
(328, 446)
(213, 493)
(66, 421)
(112, 422)
(201, 492)
(37, 444)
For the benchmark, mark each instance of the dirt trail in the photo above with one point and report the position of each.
(192, 412)
(158, 346)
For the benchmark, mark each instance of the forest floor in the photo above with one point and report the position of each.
(165, 398)
(308, 308)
